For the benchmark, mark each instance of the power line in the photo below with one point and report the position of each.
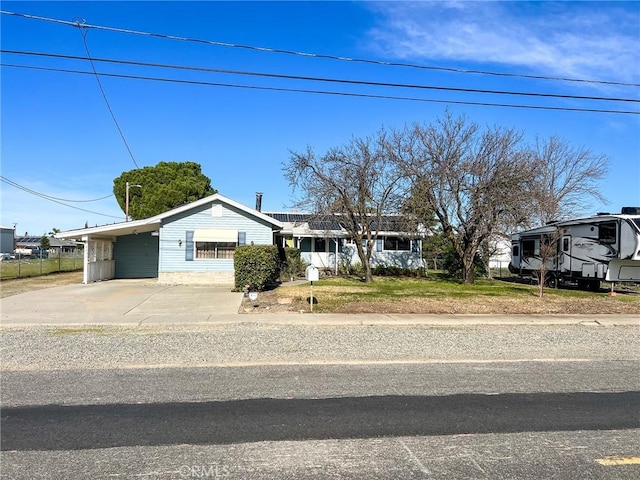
(320, 55)
(319, 79)
(57, 198)
(324, 92)
(83, 33)
(52, 199)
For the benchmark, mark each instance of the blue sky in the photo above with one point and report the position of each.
(59, 139)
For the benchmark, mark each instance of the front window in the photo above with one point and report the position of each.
(215, 250)
(320, 245)
(397, 243)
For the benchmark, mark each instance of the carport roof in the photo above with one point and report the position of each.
(153, 223)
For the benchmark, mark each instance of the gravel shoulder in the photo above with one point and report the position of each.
(100, 347)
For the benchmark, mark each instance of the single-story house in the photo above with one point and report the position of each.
(193, 243)
(325, 243)
(196, 242)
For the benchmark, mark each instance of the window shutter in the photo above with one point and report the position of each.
(242, 238)
(188, 252)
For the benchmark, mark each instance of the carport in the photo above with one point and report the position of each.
(122, 250)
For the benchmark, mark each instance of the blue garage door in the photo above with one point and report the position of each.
(136, 256)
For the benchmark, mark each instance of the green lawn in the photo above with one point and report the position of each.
(34, 267)
(419, 294)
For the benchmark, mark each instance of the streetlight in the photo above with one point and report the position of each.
(126, 210)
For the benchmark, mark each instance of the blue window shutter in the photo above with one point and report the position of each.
(378, 245)
(242, 238)
(188, 252)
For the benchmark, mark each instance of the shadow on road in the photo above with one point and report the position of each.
(54, 427)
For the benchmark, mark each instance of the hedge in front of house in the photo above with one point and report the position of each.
(293, 266)
(256, 266)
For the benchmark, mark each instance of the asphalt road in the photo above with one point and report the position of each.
(474, 415)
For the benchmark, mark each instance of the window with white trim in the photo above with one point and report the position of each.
(397, 244)
(215, 244)
(215, 250)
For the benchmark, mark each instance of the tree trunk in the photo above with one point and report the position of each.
(368, 276)
(467, 268)
(365, 261)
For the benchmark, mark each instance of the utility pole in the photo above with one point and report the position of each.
(126, 209)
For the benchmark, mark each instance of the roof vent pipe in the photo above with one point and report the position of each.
(259, 201)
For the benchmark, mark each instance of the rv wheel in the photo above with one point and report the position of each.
(551, 281)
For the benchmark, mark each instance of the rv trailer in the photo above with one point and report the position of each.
(582, 251)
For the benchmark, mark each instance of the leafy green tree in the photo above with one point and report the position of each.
(163, 187)
(44, 243)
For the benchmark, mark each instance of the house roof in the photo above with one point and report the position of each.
(314, 224)
(153, 223)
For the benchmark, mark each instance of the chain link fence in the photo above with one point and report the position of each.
(19, 266)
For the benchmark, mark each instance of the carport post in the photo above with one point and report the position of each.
(85, 260)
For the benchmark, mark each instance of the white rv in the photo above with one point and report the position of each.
(583, 251)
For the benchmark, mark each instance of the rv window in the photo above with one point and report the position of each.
(607, 232)
(528, 248)
(516, 251)
(565, 244)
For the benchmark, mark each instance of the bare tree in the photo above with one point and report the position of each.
(354, 181)
(546, 277)
(568, 179)
(471, 179)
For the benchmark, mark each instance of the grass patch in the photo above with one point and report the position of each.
(441, 295)
(35, 267)
(78, 331)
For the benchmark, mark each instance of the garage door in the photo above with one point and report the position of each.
(136, 256)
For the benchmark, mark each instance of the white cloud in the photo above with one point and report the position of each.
(576, 39)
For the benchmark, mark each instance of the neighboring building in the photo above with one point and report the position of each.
(7, 240)
(62, 248)
(194, 243)
(28, 242)
(501, 255)
(324, 242)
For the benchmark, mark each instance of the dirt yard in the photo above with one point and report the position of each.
(27, 284)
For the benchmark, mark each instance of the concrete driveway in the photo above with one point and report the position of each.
(120, 301)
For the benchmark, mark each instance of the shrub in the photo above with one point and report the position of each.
(292, 265)
(347, 268)
(453, 265)
(256, 266)
(396, 271)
